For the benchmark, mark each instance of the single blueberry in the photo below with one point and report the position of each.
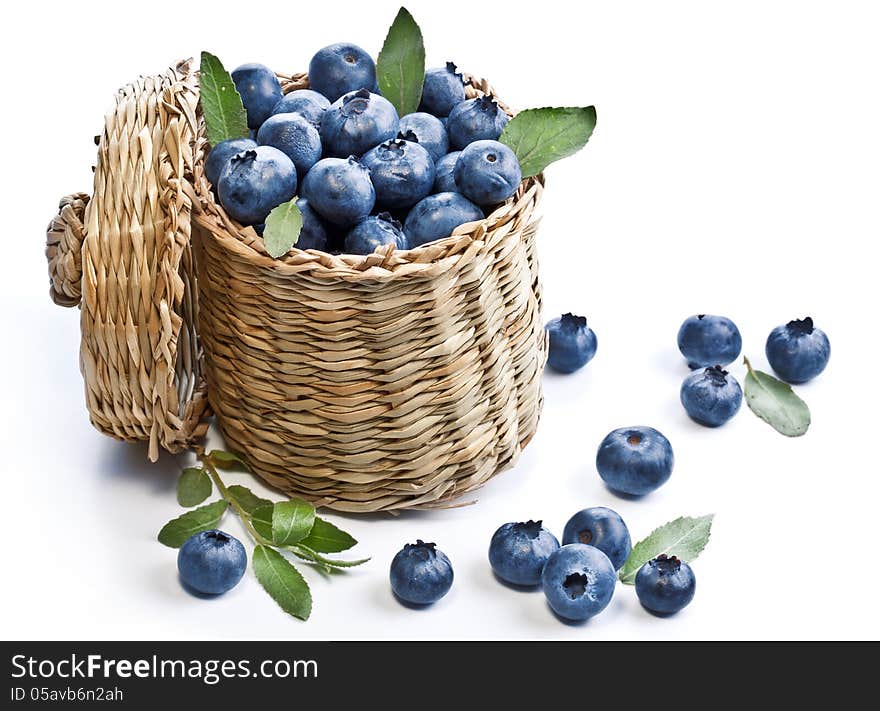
(711, 396)
(665, 585)
(518, 552)
(436, 216)
(259, 90)
(356, 122)
(634, 460)
(313, 234)
(307, 103)
(578, 581)
(420, 574)
(402, 173)
(602, 528)
(709, 340)
(375, 231)
(340, 68)
(254, 181)
(442, 91)
(475, 120)
(339, 190)
(444, 180)
(487, 172)
(295, 136)
(221, 153)
(798, 351)
(429, 132)
(211, 562)
(572, 343)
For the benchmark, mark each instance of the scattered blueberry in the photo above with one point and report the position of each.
(429, 132)
(402, 173)
(436, 216)
(709, 340)
(634, 460)
(665, 585)
(578, 581)
(798, 351)
(375, 231)
(487, 172)
(518, 552)
(295, 136)
(313, 234)
(711, 396)
(602, 528)
(211, 562)
(572, 343)
(444, 180)
(420, 574)
(339, 190)
(254, 181)
(442, 91)
(220, 155)
(356, 122)
(307, 103)
(259, 89)
(340, 68)
(475, 120)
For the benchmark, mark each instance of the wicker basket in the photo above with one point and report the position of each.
(397, 380)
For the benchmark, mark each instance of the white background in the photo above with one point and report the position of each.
(734, 170)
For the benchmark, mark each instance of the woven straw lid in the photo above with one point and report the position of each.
(124, 257)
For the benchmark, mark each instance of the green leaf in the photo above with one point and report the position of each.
(246, 499)
(309, 554)
(225, 116)
(326, 538)
(226, 460)
(175, 533)
(282, 229)
(684, 538)
(400, 69)
(283, 582)
(540, 136)
(193, 487)
(261, 519)
(776, 403)
(285, 522)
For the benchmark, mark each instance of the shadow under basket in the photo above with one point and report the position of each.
(402, 379)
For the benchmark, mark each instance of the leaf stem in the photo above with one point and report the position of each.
(748, 365)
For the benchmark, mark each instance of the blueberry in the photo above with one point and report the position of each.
(307, 103)
(420, 574)
(518, 552)
(475, 120)
(436, 216)
(572, 343)
(260, 91)
(313, 234)
(602, 528)
(711, 396)
(339, 190)
(442, 91)
(798, 351)
(375, 231)
(356, 122)
(254, 181)
(220, 155)
(709, 340)
(402, 173)
(428, 131)
(295, 136)
(634, 460)
(444, 181)
(211, 562)
(340, 68)
(578, 581)
(665, 585)
(487, 172)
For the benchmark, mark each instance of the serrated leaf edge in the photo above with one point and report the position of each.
(710, 517)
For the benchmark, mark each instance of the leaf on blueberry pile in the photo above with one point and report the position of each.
(540, 136)
(246, 499)
(175, 532)
(400, 68)
(685, 538)
(776, 403)
(326, 538)
(282, 229)
(226, 460)
(283, 582)
(193, 487)
(222, 107)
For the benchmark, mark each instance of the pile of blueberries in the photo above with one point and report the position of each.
(364, 176)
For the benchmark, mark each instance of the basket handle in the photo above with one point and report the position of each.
(64, 238)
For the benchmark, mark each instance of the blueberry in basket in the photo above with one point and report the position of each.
(341, 68)
(402, 173)
(375, 231)
(255, 181)
(475, 120)
(340, 190)
(487, 172)
(356, 122)
(307, 103)
(259, 90)
(427, 130)
(436, 216)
